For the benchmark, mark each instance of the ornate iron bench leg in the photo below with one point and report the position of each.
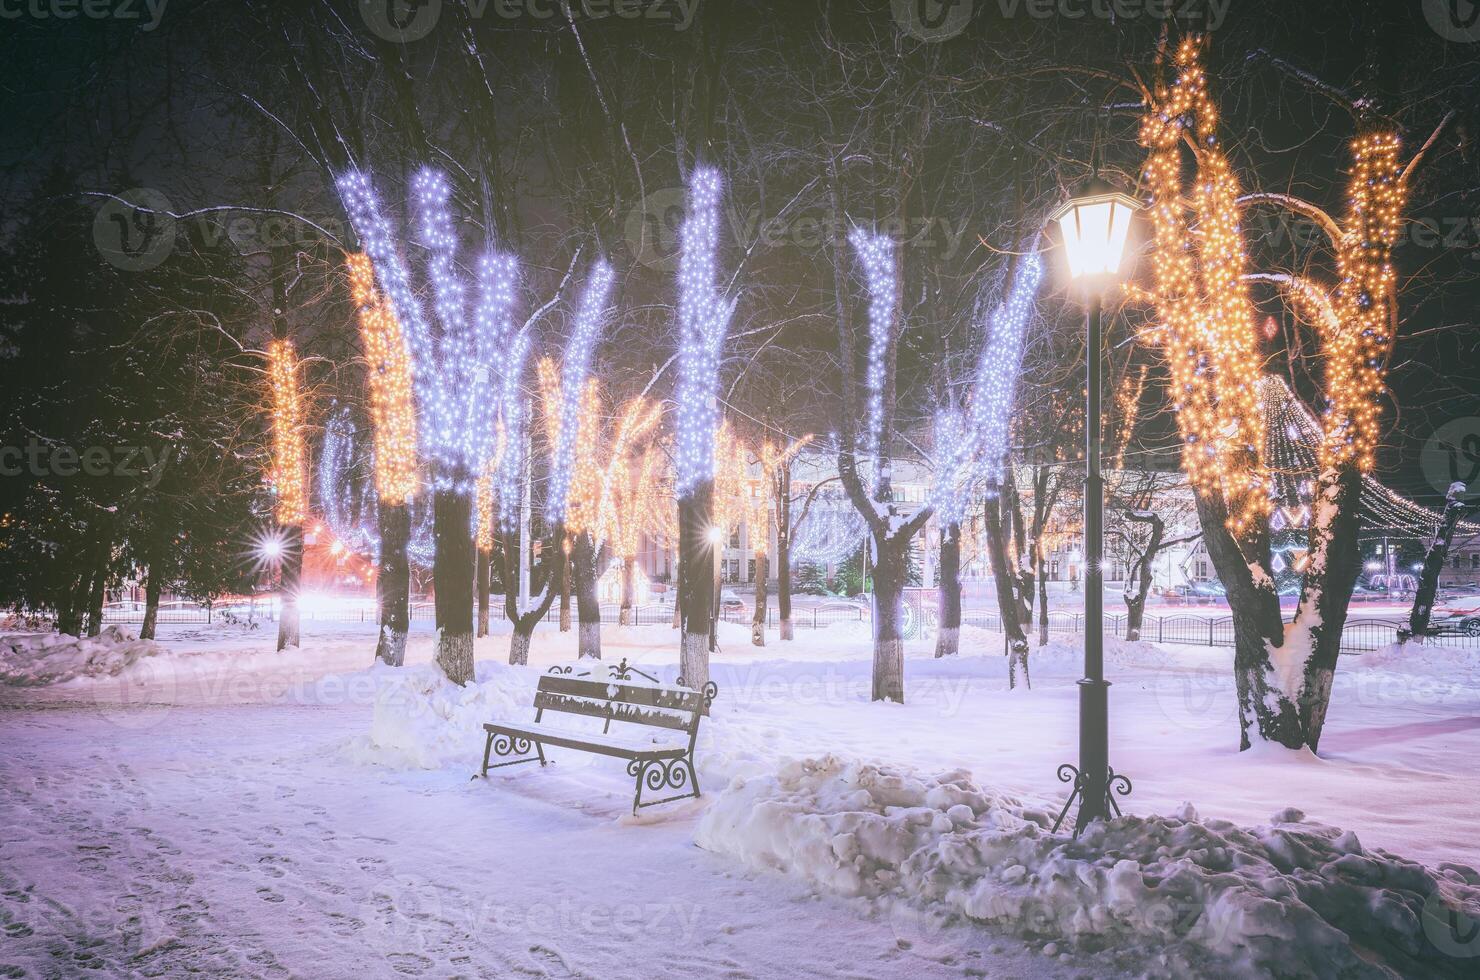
(660, 774)
(502, 745)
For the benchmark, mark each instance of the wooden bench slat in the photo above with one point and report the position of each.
(622, 711)
(602, 745)
(672, 698)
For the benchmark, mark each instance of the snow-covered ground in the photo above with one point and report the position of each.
(207, 804)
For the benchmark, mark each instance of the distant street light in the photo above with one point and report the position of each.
(1095, 227)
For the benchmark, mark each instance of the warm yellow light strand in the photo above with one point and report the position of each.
(1205, 320)
(392, 408)
(289, 474)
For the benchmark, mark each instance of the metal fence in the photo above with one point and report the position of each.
(1358, 636)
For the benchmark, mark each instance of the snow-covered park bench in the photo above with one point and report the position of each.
(657, 760)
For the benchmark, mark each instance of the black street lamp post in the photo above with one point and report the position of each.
(1095, 226)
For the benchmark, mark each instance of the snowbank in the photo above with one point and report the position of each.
(30, 660)
(421, 720)
(1183, 895)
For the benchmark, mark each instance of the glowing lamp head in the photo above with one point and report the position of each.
(716, 535)
(1095, 226)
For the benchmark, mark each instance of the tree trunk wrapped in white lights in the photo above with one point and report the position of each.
(703, 320)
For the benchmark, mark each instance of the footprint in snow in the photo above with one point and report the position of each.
(268, 895)
(551, 961)
(410, 964)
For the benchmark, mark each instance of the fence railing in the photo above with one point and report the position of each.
(1358, 636)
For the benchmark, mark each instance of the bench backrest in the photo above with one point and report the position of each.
(676, 708)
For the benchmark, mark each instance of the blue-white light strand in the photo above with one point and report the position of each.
(575, 368)
(453, 369)
(876, 254)
(1000, 363)
(703, 319)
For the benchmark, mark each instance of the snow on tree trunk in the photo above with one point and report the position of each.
(152, 590)
(519, 641)
(565, 584)
(948, 634)
(1243, 569)
(1307, 659)
(1433, 561)
(891, 556)
(583, 560)
(762, 600)
(292, 577)
(452, 572)
(629, 574)
(393, 583)
(1007, 603)
(484, 560)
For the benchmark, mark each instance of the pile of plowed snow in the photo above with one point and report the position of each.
(34, 659)
(1178, 895)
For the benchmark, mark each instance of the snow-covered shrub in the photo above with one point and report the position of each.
(1177, 894)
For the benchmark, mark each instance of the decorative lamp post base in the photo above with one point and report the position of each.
(1095, 783)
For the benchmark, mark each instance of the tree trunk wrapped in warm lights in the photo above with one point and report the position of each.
(289, 479)
(1204, 323)
(393, 425)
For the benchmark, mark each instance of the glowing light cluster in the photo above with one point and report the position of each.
(876, 254)
(1128, 406)
(483, 515)
(955, 453)
(833, 531)
(1000, 363)
(703, 319)
(1356, 350)
(629, 477)
(1205, 319)
(512, 417)
(392, 402)
(454, 369)
(575, 370)
(289, 469)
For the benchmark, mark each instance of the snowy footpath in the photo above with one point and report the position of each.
(203, 805)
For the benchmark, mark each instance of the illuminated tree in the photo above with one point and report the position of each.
(393, 422)
(1205, 326)
(455, 377)
(288, 478)
(703, 320)
(867, 444)
(629, 485)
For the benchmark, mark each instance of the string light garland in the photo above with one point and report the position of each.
(1205, 320)
(454, 370)
(392, 404)
(512, 418)
(703, 319)
(1357, 348)
(575, 369)
(1000, 364)
(875, 253)
(289, 469)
